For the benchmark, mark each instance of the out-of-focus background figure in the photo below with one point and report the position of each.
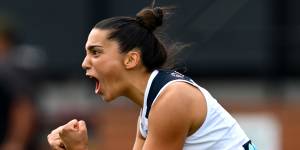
(17, 110)
(245, 52)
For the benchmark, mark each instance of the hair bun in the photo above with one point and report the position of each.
(150, 18)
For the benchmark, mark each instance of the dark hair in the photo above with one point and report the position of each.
(138, 32)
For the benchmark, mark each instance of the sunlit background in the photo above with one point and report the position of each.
(245, 52)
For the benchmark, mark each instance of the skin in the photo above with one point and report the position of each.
(178, 112)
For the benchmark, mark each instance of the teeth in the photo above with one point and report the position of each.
(89, 76)
(97, 89)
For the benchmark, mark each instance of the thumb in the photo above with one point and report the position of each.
(81, 125)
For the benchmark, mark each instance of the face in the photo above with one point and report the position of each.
(104, 63)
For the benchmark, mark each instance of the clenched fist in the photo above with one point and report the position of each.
(71, 136)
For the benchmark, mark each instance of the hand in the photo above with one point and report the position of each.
(54, 139)
(74, 135)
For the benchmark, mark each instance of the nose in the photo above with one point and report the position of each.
(86, 64)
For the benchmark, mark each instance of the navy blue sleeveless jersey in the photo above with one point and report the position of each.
(163, 77)
(219, 130)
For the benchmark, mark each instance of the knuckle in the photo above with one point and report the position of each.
(49, 137)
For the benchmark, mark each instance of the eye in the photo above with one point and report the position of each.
(95, 52)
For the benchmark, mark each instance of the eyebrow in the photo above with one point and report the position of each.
(90, 47)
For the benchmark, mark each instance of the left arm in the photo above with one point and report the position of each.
(172, 117)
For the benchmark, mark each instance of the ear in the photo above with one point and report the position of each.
(132, 59)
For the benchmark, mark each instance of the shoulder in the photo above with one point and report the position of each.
(173, 99)
(178, 95)
(180, 105)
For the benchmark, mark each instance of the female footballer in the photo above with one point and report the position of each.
(125, 58)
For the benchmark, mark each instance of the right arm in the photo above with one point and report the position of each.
(139, 140)
(71, 136)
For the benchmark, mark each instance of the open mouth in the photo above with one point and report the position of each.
(97, 86)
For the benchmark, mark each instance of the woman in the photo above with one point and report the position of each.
(125, 58)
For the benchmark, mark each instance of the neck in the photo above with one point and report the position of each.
(137, 82)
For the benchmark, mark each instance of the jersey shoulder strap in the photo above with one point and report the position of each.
(160, 80)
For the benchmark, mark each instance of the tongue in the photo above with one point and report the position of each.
(97, 88)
